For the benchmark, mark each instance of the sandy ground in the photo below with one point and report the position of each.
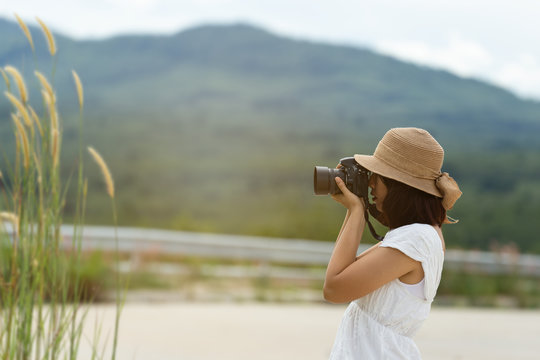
(192, 331)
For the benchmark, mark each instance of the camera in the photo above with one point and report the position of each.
(354, 176)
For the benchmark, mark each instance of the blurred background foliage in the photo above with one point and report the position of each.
(218, 129)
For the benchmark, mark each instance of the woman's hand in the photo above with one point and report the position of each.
(347, 198)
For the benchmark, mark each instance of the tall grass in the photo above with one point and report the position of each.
(41, 293)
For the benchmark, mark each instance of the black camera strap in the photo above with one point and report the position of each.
(369, 208)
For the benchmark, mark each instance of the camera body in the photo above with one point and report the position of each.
(354, 176)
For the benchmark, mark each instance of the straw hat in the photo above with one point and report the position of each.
(413, 157)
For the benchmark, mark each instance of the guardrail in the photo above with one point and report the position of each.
(272, 250)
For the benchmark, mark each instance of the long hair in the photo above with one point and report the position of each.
(404, 205)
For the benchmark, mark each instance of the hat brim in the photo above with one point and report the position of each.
(378, 166)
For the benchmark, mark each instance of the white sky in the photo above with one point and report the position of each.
(493, 40)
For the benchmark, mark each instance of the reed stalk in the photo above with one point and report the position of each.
(41, 293)
(110, 191)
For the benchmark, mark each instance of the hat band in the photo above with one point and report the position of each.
(401, 163)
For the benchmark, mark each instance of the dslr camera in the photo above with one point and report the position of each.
(354, 176)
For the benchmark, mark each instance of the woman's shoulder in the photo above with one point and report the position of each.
(415, 229)
(423, 238)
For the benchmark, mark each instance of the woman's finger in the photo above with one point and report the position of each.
(341, 184)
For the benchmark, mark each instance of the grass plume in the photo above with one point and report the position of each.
(24, 140)
(45, 85)
(48, 35)
(6, 79)
(7, 216)
(78, 85)
(20, 107)
(25, 30)
(16, 75)
(104, 170)
(55, 147)
(35, 117)
(51, 105)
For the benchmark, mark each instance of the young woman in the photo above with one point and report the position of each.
(391, 285)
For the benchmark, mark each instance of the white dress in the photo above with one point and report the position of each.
(380, 325)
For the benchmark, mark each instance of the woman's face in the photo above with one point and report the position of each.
(378, 191)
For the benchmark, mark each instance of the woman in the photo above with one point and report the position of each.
(391, 285)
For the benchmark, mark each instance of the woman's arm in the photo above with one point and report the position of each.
(349, 278)
(369, 250)
(344, 223)
(344, 253)
(349, 237)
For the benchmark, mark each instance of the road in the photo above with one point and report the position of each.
(204, 331)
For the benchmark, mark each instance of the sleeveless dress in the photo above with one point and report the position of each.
(381, 325)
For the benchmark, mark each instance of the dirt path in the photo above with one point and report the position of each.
(272, 331)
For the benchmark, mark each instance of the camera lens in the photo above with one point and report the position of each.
(323, 180)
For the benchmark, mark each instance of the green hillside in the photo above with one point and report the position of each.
(218, 128)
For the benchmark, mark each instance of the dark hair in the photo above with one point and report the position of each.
(404, 205)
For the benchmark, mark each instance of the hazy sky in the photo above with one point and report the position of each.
(497, 41)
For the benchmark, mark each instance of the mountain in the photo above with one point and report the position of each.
(217, 128)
